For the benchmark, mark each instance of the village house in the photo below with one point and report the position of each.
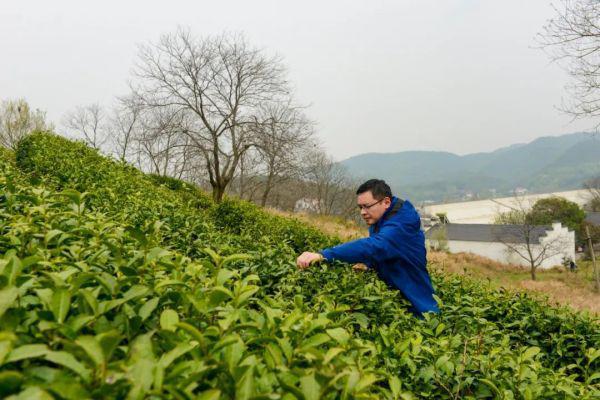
(502, 243)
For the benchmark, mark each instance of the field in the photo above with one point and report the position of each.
(115, 284)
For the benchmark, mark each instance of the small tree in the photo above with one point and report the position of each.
(558, 209)
(283, 130)
(90, 123)
(439, 238)
(125, 127)
(17, 119)
(522, 236)
(329, 184)
(593, 187)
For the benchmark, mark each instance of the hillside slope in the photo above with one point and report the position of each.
(546, 164)
(115, 285)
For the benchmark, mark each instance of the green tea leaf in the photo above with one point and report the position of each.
(67, 360)
(169, 320)
(223, 276)
(339, 334)
(219, 294)
(365, 382)
(314, 341)
(13, 269)
(108, 342)
(530, 353)
(32, 393)
(8, 296)
(147, 308)
(211, 394)
(92, 348)
(244, 387)
(27, 351)
(60, 304)
(331, 354)
(310, 387)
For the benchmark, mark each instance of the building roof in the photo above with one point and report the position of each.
(593, 218)
(491, 233)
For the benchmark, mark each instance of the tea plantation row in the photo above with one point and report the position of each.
(115, 284)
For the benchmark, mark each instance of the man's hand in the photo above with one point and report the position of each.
(308, 258)
(359, 267)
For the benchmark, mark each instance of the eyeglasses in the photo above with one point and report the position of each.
(367, 206)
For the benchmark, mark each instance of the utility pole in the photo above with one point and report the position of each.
(591, 245)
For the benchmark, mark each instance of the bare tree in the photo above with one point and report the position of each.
(162, 148)
(248, 180)
(125, 127)
(516, 230)
(218, 84)
(572, 37)
(90, 123)
(281, 134)
(329, 183)
(17, 119)
(593, 187)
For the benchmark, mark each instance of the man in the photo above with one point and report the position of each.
(395, 248)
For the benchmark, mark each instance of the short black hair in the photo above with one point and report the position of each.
(378, 188)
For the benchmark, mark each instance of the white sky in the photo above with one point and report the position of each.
(380, 76)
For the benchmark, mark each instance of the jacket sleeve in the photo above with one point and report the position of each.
(372, 250)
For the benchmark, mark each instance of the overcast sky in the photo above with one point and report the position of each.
(380, 76)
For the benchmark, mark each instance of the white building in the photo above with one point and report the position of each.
(484, 211)
(503, 243)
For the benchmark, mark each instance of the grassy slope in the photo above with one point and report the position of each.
(560, 286)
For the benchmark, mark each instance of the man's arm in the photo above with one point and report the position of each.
(369, 251)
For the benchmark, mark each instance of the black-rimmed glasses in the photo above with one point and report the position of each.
(367, 206)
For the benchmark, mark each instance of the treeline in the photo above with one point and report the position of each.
(214, 111)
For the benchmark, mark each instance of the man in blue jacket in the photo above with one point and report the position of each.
(395, 248)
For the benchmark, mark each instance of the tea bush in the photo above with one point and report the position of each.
(88, 309)
(99, 302)
(183, 209)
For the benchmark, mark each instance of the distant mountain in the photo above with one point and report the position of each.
(546, 164)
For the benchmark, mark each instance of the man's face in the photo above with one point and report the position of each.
(371, 209)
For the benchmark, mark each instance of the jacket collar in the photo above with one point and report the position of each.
(392, 209)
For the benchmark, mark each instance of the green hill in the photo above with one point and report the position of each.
(119, 285)
(544, 165)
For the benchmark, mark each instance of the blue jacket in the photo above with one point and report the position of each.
(395, 248)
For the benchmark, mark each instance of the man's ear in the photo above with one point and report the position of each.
(387, 201)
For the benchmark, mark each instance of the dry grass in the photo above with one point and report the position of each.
(344, 229)
(562, 287)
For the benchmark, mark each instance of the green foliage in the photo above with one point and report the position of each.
(439, 239)
(17, 119)
(244, 218)
(95, 303)
(184, 212)
(558, 209)
(512, 217)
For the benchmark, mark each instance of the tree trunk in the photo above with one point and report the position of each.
(241, 185)
(269, 183)
(533, 272)
(217, 193)
(593, 256)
